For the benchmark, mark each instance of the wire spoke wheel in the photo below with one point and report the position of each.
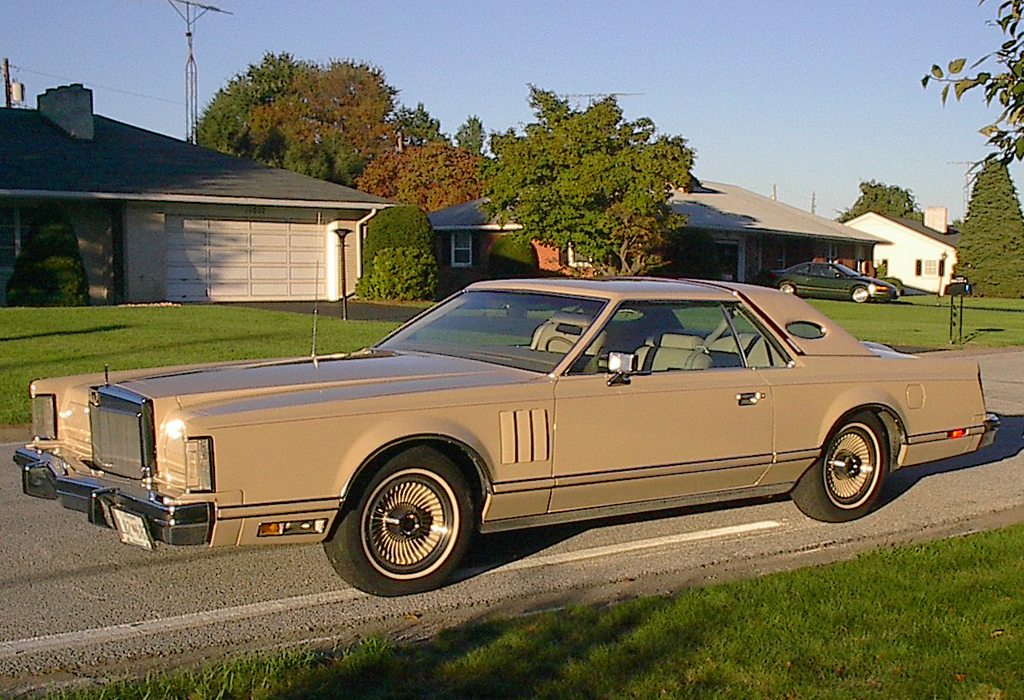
(851, 466)
(860, 295)
(409, 524)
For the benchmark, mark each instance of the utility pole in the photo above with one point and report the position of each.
(7, 83)
(814, 202)
(192, 12)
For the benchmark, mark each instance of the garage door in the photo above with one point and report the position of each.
(218, 260)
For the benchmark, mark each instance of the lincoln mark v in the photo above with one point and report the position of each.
(512, 404)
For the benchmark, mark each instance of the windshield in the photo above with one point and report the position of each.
(845, 270)
(527, 330)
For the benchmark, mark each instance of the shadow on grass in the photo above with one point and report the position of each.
(58, 334)
(1009, 443)
(577, 652)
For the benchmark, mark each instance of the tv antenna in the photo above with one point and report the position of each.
(190, 12)
(969, 175)
(592, 97)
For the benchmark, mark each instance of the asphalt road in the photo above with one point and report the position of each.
(76, 604)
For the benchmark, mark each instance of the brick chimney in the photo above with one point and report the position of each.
(936, 218)
(70, 108)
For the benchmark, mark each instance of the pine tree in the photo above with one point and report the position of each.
(991, 249)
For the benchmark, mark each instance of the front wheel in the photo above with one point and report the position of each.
(860, 294)
(787, 287)
(845, 481)
(408, 528)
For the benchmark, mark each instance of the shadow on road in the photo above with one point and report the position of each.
(1009, 443)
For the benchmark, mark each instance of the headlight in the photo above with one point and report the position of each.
(44, 417)
(199, 464)
(872, 288)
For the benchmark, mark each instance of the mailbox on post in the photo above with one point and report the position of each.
(960, 287)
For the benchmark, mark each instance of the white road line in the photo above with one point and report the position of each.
(132, 630)
(595, 552)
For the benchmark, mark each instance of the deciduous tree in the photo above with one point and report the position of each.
(887, 200)
(325, 121)
(591, 181)
(991, 248)
(432, 177)
(1001, 81)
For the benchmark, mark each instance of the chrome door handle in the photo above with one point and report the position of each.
(749, 398)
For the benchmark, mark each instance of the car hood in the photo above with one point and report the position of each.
(366, 373)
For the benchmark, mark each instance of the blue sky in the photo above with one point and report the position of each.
(809, 96)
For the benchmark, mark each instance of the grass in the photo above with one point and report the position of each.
(918, 322)
(54, 342)
(941, 620)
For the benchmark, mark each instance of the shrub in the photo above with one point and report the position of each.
(398, 227)
(512, 256)
(49, 270)
(399, 274)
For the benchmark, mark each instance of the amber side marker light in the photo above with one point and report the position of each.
(958, 433)
(298, 527)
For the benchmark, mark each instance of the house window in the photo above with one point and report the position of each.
(917, 268)
(462, 249)
(931, 268)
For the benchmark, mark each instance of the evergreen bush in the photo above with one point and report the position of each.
(400, 274)
(512, 256)
(991, 248)
(49, 270)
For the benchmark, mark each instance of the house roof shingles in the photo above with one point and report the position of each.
(713, 205)
(123, 160)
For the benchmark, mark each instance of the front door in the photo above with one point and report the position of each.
(694, 419)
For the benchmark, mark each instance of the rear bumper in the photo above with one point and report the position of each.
(992, 424)
(43, 475)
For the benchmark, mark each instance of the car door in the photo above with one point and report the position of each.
(693, 419)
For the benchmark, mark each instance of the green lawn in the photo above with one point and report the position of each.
(53, 342)
(919, 322)
(942, 620)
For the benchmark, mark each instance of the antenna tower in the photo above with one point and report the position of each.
(969, 175)
(190, 12)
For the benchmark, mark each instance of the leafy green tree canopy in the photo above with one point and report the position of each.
(432, 177)
(888, 200)
(1001, 82)
(471, 136)
(326, 121)
(591, 181)
(990, 252)
(417, 128)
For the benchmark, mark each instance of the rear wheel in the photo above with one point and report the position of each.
(787, 287)
(860, 294)
(408, 529)
(845, 481)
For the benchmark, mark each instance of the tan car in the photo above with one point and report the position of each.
(512, 404)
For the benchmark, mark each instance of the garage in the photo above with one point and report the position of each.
(224, 260)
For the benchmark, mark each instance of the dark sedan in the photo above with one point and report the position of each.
(832, 281)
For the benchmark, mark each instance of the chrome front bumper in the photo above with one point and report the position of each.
(43, 475)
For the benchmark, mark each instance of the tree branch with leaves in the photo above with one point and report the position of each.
(1002, 82)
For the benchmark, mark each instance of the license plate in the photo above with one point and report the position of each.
(131, 528)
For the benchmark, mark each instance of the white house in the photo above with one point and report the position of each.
(921, 255)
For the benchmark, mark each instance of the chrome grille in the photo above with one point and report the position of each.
(121, 423)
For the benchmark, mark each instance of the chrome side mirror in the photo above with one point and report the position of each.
(620, 366)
